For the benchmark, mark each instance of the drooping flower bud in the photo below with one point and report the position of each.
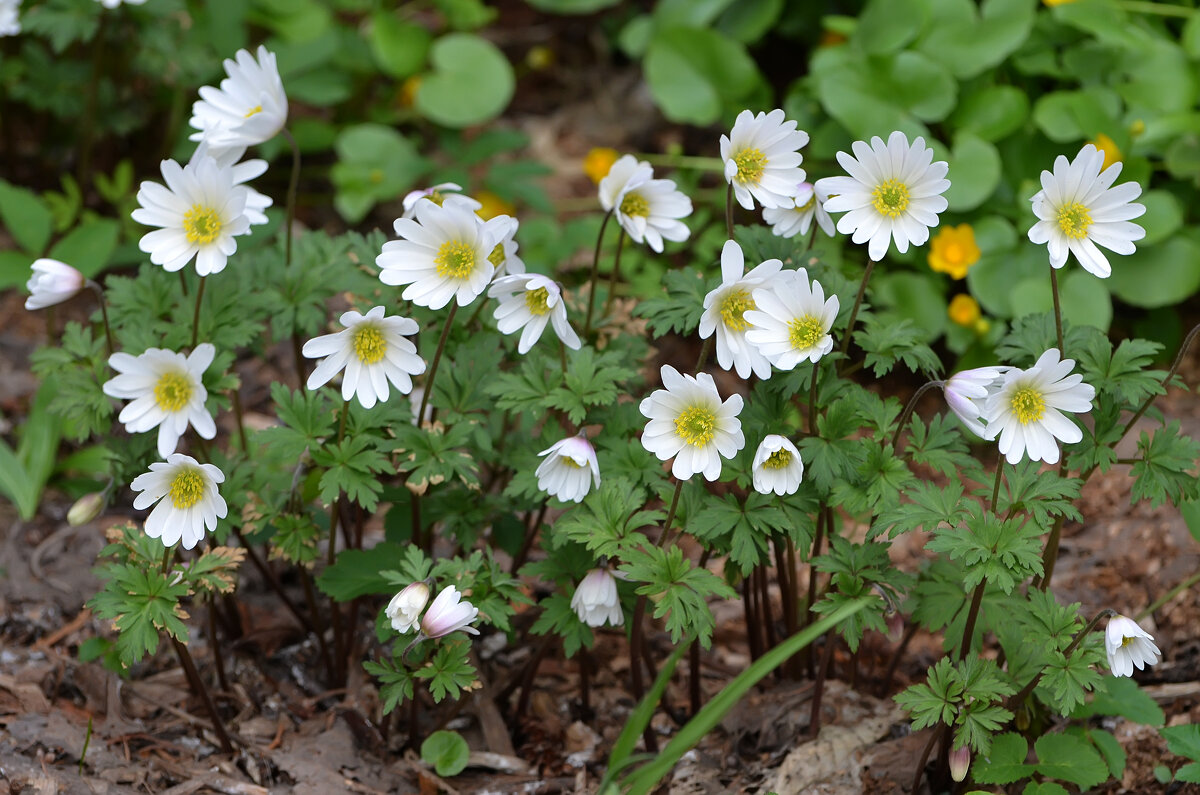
(404, 611)
(960, 760)
(448, 613)
(85, 509)
(52, 282)
(1128, 646)
(596, 600)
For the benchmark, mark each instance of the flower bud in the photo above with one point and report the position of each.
(596, 600)
(52, 283)
(960, 760)
(448, 613)
(85, 509)
(404, 611)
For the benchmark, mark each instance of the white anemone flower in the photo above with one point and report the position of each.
(442, 255)
(437, 194)
(52, 282)
(762, 159)
(1078, 210)
(792, 221)
(569, 470)
(249, 108)
(118, 3)
(894, 192)
(243, 172)
(404, 610)
(792, 319)
(647, 209)
(504, 254)
(200, 210)
(165, 391)
(449, 612)
(777, 466)
(688, 421)
(188, 501)
(10, 17)
(373, 351)
(596, 601)
(967, 392)
(530, 301)
(725, 308)
(1128, 646)
(1026, 411)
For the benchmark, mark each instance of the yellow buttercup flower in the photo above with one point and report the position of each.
(1053, 3)
(954, 251)
(1112, 154)
(492, 205)
(598, 162)
(964, 310)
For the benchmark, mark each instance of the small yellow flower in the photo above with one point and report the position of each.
(1108, 146)
(540, 57)
(408, 91)
(953, 251)
(1053, 3)
(831, 38)
(1137, 128)
(598, 162)
(492, 205)
(964, 310)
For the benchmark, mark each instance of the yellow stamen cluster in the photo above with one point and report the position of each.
(253, 111)
(751, 163)
(808, 205)
(635, 204)
(455, 259)
(1126, 640)
(778, 460)
(497, 255)
(187, 488)
(733, 309)
(696, 425)
(1028, 404)
(890, 198)
(535, 301)
(805, 332)
(369, 344)
(1074, 220)
(201, 224)
(173, 391)
(571, 462)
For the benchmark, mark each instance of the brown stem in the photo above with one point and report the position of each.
(908, 410)
(765, 597)
(933, 735)
(972, 615)
(270, 577)
(751, 619)
(616, 271)
(636, 681)
(530, 535)
(595, 280)
(196, 313)
(729, 212)
(585, 687)
(1023, 694)
(189, 669)
(318, 624)
(433, 365)
(909, 633)
(218, 658)
(862, 288)
(814, 723)
(235, 395)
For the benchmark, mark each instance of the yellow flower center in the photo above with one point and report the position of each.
(733, 308)
(778, 460)
(1028, 404)
(808, 205)
(1074, 220)
(173, 391)
(455, 259)
(571, 463)
(201, 224)
(890, 198)
(696, 425)
(635, 204)
(1126, 640)
(805, 332)
(497, 255)
(751, 163)
(376, 176)
(252, 111)
(369, 344)
(437, 197)
(535, 301)
(187, 488)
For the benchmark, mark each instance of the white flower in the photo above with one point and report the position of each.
(404, 611)
(777, 466)
(10, 20)
(1129, 646)
(1078, 209)
(166, 392)
(791, 221)
(762, 159)
(373, 350)
(689, 421)
(200, 211)
(647, 209)
(256, 203)
(1026, 411)
(529, 301)
(596, 601)
(894, 192)
(441, 255)
(792, 319)
(725, 307)
(191, 505)
(504, 254)
(117, 3)
(448, 613)
(250, 106)
(437, 194)
(570, 470)
(967, 392)
(52, 282)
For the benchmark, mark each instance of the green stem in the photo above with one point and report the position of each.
(108, 337)
(1169, 595)
(909, 408)
(729, 212)
(1160, 9)
(293, 187)
(168, 555)
(1023, 694)
(972, 616)
(662, 539)
(705, 350)
(433, 365)
(996, 485)
(595, 279)
(862, 289)
(812, 399)
(1058, 324)
(684, 161)
(612, 279)
(196, 313)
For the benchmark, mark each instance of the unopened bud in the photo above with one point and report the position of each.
(85, 509)
(895, 626)
(960, 760)
(404, 611)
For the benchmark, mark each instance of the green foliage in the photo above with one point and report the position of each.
(1002, 552)
(76, 368)
(1061, 756)
(447, 672)
(678, 590)
(680, 309)
(888, 343)
(1185, 741)
(447, 751)
(1167, 469)
(858, 570)
(966, 696)
(607, 520)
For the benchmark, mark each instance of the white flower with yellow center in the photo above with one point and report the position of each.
(438, 195)
(187, 497)
(569, 470)
(442, 255)
(52, 282)
(967, 392)
(504, 254)
(762, 159)
(119, 3)
(777, 466)
(243, 172)
(10, 19)
(725, 308)
(165, 391)
(1078, 210)
(647, 209)
(200, 210)
(1128, 646)
(791, 221)
(894, 192)
(689, 422)
(373, 351)
(530, 301)
(792, 319)
(1026, 412)
(249, 108)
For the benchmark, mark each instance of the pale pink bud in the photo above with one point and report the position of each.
(448, 613)
(967, 392)
(596, 600)
(960, 760)
(52, 283)
(404, 611)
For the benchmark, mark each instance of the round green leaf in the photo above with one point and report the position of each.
(1084, 298)
(447, 751)
(1159, 275)
(748, 21)
(471, 81)
(1162, 219)
(993, 112)
(572, 6)
(375, 163)
(887, 25)
(694, 73)
(915, 296)
(1066, 116)
(876, 96)
(974, 172)
(992, 278)
(88, 246)
(968, 42)
(1160, 79)
(399, 46)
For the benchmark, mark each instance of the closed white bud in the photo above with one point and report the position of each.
(404, 611)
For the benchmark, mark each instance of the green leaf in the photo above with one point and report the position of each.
(1044, 788)
(1111, 750)
(1068, 116)
(1167, 469)
(471, 81)
(1158, 275)
(1189, 773)
(748, 21)
(885, 26)
(678, 590)
(89, 246)
(695, 73)
(448, 671)
(559, 618)
(375, 163)
(975, 164)
(361, 572)
(992, 113)
(399, 46)
(1184, 740)
(967, 43)
(1121, 696)
(572, 6)
(680, 310)
(1068, 758)
(1005, 762)
(1162, 219)
(1002, 552)
(26, 218)
(447, 751)
(591, 380)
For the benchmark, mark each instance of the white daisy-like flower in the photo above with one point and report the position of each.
(504, 254)
(437, 194)
(200, 211)
(404, 610)
(530, 301)
(10, 17)
(1026, 412)
(894, 192)
(725, 308)
(791, 221)
(250, 106)
(373, 350)
(165, 390)
(52, 282)
(187, 497)
(689, 422)
(1129, 646)
(1078, 210)
(791, 320)
(967, 392)
(441, 255)
(449, 612)
(596, 601)
(118, 3)
(647, 209)
(777, 466)
(762, 159)
(570, 469)
(243, 172)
